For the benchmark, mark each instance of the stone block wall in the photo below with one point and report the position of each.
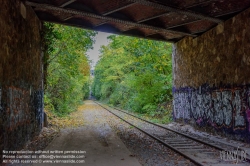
(21, 85)
(211, 79)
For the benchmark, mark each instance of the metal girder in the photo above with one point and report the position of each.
(231, 12)
(178, 25)
(105, 22)
(154, 33)
(87, 14)
(176, 10)
(127, 29)
(67, 18)
(201, 3)
(67, 3)
(119, 33)
(190, 22)
(153, 17)
(117, 9)
(167, 13)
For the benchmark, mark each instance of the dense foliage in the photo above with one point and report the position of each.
(134, 74)
(67, 67)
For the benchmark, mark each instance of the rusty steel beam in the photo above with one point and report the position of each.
(67, 3)
(200, 3)
(224, 14)
(176, 10)
(117, 9)
(118, 33)
(178, 25)
(102, 23)
(153, 17)
(231, 12)
(67, 18)
(127, 29)
(93, 15)
(153, 33)
(167, 13)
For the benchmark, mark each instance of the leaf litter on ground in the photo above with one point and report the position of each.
(55, 124)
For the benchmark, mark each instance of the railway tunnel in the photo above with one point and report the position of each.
(211, 64)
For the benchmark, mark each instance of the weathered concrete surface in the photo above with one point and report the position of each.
(21, 91)
(211, 78)
(102, 146)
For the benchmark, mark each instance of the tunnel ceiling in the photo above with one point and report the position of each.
(165, 20)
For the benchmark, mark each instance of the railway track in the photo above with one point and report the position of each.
(199, 150)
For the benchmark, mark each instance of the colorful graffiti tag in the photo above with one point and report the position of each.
(225, 107)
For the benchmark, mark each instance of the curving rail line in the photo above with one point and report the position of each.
(199, 151)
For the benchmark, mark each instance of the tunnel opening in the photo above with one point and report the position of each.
(210, 61)
(193, 27)
(131, 73)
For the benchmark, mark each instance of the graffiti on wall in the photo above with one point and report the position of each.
(22, 115)
(37, 98)
(219, 107)
(23, 106)
(17, 106)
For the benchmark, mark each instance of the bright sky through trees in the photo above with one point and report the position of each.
(131, 73)
(100, 39)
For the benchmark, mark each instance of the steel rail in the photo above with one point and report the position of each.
(177, 132)
(185, 135)
(150, 135)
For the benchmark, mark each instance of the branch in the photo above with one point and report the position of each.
(58, 53)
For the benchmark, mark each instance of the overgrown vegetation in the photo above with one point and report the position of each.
(133, 74)
(136, 75)
(66, 66)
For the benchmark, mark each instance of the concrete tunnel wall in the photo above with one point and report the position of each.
(212, 79)
(21, 85)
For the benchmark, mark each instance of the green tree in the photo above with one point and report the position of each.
(67, 68)
(134, 74)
